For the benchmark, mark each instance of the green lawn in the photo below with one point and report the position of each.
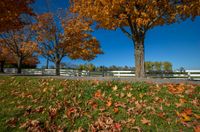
(32, 104)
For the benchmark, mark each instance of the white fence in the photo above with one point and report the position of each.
(123, 73)
(189, 74)
(49, 72)
(193, 74)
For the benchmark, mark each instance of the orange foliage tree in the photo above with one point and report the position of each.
(5, 56)
(135, 18)
(11, 10)
(20, 44)
(65, 36)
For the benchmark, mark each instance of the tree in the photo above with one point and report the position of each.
(157, 66)
(182, 70)
(91, 67)
(135, 18)
(149, 66)
(5, 56)
(167, 66)
(20, 43)
(11, 11)
(65, 36)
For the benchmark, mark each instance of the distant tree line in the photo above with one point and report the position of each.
(158, 66)
(149, 67)
(92, 68)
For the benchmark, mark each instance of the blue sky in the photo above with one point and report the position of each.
(178, 43)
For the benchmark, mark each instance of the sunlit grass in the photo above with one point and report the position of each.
(53, 104)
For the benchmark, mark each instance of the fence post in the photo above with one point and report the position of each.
(189, 77)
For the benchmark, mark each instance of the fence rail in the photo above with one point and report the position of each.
(188, 74)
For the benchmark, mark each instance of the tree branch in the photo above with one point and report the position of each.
(126, 32)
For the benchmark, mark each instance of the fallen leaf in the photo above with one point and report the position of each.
(188, 111)
(97, 94)
(114, 88)
(141, 95)
(70, 111)
(117, 126)
(116, 110)
(120, 104)
(197, 116)
(131, 120)
(197, 128)
(122, 95)
(182, 100)
(137, 128)
(145, 121)
(161, 114)
(12, 122)
(52, 113)
(108, 103)
(129, 94)
(185, 118)
(138, 105)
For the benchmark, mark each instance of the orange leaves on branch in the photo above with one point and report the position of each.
(116, 13)
(135, 18)
(20, 45)
(80, 44)
(11, 10)
(70, 38)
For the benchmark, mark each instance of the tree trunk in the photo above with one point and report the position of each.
(58, 68)
(2, 66)
(19, 65)
(139, 59)
(47, 64)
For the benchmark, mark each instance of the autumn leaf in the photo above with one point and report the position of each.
(52, 113)
(11, 16)
(98, 94)
(129, 94)
(161, 114)
(117, 126)
(116, 110)
(108, 103)
(120, 104)
(122, 95)
(121, 14)
(145, 121)
(138, 105)
(187, 111)
(12, 122)
(114, 88)
(185, 117)
(70, 112)
(197, 128)
(197, 116)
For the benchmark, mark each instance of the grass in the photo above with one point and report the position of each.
(32, 104)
